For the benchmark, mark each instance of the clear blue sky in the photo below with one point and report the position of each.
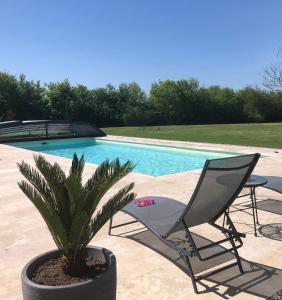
(224, 42)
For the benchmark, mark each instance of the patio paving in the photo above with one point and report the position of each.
(146, 273)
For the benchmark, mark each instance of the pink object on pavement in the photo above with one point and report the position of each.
(145, 202)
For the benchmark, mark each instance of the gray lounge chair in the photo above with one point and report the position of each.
(219, 184)
(274, 183)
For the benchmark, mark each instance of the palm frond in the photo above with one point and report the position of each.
(56, 178)
(75, 195)
(38, 182)
(78, 231)
(77, 167)
(48, 214)
(116, 203)
(74, 186)
(105, 176)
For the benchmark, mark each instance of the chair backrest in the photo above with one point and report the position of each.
(220, 183)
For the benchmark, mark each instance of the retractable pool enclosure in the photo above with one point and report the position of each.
(18, 131)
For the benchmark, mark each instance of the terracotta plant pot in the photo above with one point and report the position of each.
(102, 287)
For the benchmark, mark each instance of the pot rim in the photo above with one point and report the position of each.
(110, 260)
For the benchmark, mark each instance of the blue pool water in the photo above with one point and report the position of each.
(149, 160)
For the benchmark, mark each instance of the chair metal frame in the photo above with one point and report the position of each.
(231, 234)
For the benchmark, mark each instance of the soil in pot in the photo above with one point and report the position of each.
(52, 272)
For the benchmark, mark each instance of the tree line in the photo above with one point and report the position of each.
(167, 102)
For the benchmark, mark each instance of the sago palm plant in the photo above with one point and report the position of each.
(68, 207)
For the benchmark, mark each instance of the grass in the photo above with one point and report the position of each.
(259, 134)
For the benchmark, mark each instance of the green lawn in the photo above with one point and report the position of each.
(260, 135)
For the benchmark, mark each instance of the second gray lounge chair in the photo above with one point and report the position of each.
(274, 183)
(219, 184)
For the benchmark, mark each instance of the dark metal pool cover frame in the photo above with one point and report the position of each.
(19, 131)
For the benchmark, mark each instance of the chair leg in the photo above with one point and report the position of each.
(254, 211)
(190, 270)
(256, 208)
(223, 222)
(224, 217)
(232, 236)
(237, 257)
(110, 226)
(233, 229)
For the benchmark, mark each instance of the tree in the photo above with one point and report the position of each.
(108, 106)
(30, 95)
(272, 77)
(168, 102)
(10, 102)
(59, 100)
(84, 107)
(175, 99)
(133, 103)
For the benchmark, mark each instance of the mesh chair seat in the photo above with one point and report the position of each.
(160, 216)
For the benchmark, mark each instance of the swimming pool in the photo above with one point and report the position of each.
(149, 159)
